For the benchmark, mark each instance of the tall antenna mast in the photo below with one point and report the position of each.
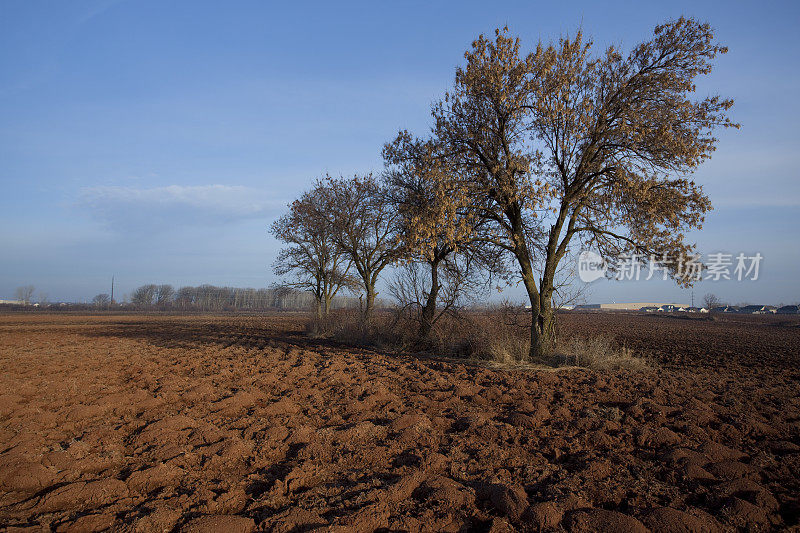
(112, 290)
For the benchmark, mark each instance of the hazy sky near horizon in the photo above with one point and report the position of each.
(156, 141)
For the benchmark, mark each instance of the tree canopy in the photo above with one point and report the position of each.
(569, 146)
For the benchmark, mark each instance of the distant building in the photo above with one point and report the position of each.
(558, 308)
(12, 302)
(647, 307)
(633, 306)
(757, 309)
(750, 309)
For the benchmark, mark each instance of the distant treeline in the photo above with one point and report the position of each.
(212, 298)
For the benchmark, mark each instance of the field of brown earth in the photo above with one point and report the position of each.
(234, 423)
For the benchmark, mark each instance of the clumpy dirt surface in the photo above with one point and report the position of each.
(169, 423)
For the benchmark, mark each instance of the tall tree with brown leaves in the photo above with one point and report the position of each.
(435, 232)
(570, 147)
(312, 255)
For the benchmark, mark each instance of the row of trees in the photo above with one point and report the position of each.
(212, 298)
(530, 156)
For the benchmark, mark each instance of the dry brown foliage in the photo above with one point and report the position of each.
(562, 146)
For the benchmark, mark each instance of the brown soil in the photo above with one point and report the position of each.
(239, 423)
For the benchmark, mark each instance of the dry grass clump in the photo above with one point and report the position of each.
(599, 353)
(508, 347)
(474, 335)
(500, 335)
(492, 336)
(321, 328)
(344, 326)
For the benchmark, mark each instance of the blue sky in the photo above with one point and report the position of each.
(156, 141)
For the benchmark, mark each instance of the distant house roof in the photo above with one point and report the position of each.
(750, 308)
(757, 309)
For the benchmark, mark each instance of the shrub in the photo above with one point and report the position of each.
(496, 335)
(319, 328)
(347, 327)
(598, 353)
(500, 334)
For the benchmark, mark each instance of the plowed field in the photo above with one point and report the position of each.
(227, 423)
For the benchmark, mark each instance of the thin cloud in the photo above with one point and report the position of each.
(132, 209)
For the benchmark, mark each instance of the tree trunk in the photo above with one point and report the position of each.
(541, 308)
(542, 317)
(367, 312)
(429, 310)
(542, 330)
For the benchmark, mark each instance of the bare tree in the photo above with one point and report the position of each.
(185, 297)
(566, 145)
(426, 290)
(312, 256)
(25, 294)
(144, 296)
(102, 300)
(164, 295)
(711, 301)
(364, 228)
